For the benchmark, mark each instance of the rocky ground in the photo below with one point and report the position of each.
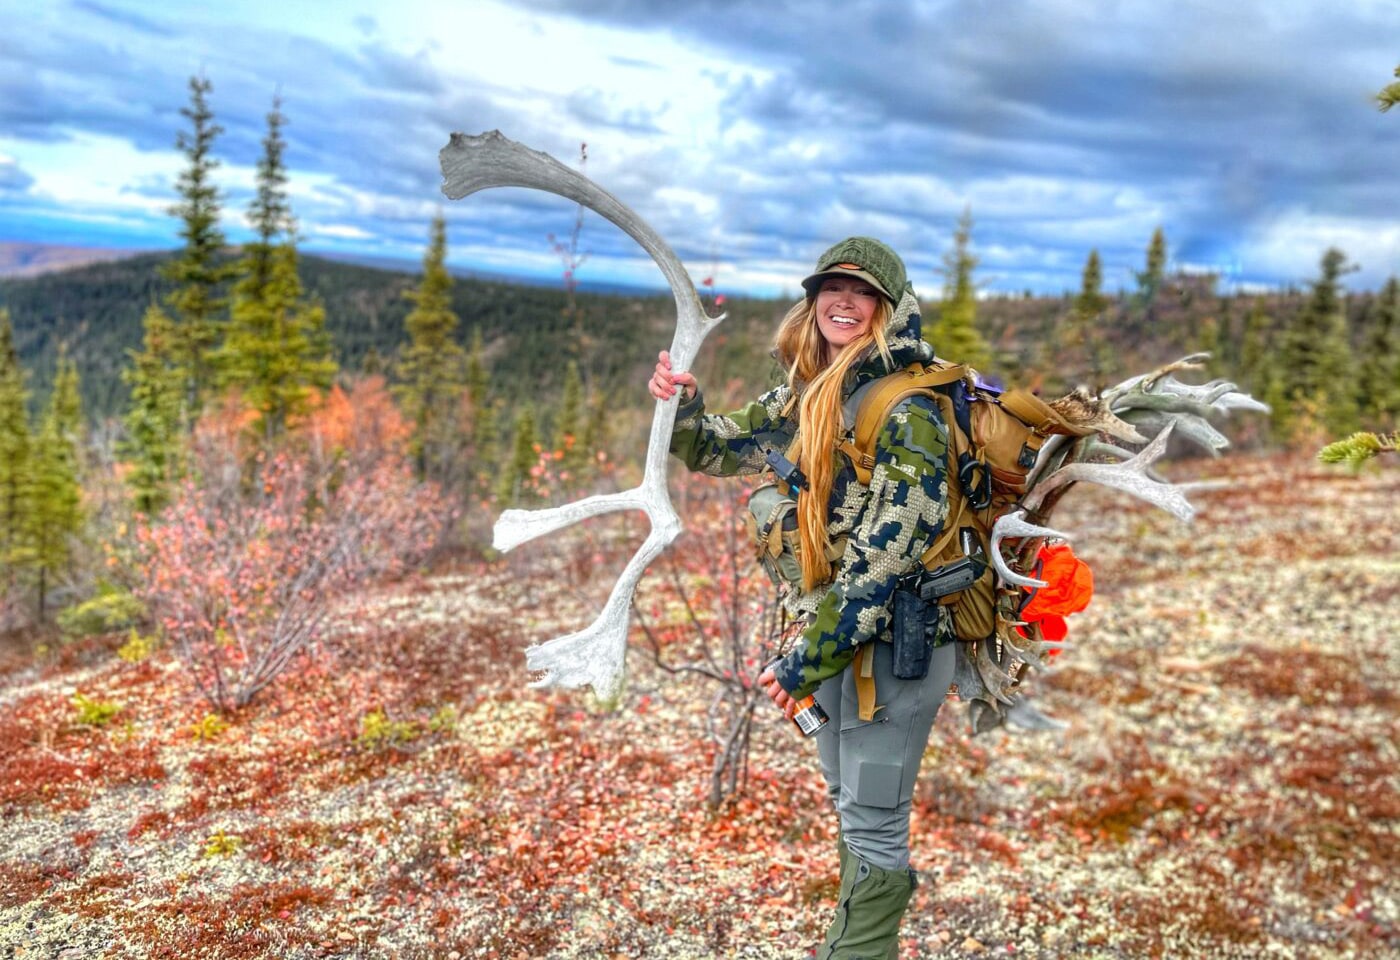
(1226, 785)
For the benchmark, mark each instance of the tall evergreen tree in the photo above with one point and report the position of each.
(1378, 380)
(55, 519)
(1208, 340)
(1254, 346)
(514, 480)
(955, 335)
(482, 428)
(275, 350)
(1150, 280)
(1091, 302)
(197, 271)
(16, 448)
(1084, 333)
(1315, 357)
(153, 421)
(431, 367)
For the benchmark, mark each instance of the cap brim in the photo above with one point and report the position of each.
(814, 281)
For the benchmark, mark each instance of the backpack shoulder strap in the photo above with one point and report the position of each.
(878, 402)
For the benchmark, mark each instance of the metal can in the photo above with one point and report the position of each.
(810, 717)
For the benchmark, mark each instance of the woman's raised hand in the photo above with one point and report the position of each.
(663, 382)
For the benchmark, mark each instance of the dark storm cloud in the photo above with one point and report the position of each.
(1225, 116)
(1063, 127)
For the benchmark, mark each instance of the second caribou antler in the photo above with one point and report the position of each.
(1143, 411)
(594, 655)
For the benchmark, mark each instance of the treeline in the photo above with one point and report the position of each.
(528, 335)
(1328, 363)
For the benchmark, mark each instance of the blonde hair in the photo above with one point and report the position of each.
(817, 387)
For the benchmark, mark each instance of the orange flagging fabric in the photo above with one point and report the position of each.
(1069, 588)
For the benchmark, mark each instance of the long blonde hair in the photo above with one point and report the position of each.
(817, 386)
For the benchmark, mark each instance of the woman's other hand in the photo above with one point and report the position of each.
(775, 691)
(663, 382)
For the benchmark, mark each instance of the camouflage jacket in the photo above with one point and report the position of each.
(887, 525)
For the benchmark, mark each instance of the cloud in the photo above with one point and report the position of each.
(754, 133)
(123, 18)
(339, 231)
(12, 178)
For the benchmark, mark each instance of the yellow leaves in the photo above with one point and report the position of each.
(137, 647)
(93, 713)
(444, 720)
(377, 730)
(222, 844)
(209, 728)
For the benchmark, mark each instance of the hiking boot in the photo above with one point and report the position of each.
(871, 904)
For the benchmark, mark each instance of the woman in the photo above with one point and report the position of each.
(858, 322)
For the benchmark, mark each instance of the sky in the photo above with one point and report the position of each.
(750, 135)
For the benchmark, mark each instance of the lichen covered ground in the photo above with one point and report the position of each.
(1226, 787)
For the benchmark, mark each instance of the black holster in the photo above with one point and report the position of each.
(912, 634)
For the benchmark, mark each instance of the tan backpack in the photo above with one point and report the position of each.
(993, 439)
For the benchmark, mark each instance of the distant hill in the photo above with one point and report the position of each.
(23, 259)
(530, 338)
(97, 309)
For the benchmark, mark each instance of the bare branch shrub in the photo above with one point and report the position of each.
(242, 568)
(715, 614)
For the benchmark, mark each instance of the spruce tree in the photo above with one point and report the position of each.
(955, 335)
(1378, 381)
(275, 350)
(514, 483)
(1208, 341)
(154, 431)
(1091, 302)
(55, 519)
(197, 272)
(1150, 280)
(430, 368)
(1255, 343)
(372, 363)
(16, 447)
(1084, 332)
(483, 420)
(1315, 357)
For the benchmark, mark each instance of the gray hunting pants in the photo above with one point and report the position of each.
(870, 767)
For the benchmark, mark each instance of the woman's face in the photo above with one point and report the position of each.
(845, 309)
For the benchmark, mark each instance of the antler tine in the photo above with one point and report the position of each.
(593, 656)
(1015, 525)
(1188, 425)
(1240, 401)
(1130, 476)
(1190, 362)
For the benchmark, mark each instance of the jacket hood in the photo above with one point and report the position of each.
(904, 334)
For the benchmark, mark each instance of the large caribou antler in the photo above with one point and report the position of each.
(1143, 411)
(594, 655)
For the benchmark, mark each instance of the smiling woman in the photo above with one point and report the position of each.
(858, 322)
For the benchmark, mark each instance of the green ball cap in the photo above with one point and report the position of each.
(863, 257)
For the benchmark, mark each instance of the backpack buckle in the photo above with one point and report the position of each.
(976, 481)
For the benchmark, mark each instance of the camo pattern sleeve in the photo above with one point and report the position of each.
(724, 445)
(903, 513)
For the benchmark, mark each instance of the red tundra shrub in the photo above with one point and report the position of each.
(241, 570)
